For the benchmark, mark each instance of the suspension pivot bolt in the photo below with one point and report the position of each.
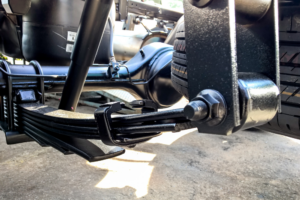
(196, 111)
(208, 107)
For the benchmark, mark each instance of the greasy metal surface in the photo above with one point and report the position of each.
(248, 12)
(258, 99)
(211, 54)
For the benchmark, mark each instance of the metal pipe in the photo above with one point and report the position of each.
(112, 54)
(92, 24)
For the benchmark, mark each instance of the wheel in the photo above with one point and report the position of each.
(287, 122)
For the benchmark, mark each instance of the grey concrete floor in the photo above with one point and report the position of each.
(186, 165)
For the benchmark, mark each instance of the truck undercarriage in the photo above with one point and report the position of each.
(226, 60)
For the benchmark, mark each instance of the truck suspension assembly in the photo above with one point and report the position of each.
(235, 91)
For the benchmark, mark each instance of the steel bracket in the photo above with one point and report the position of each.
(218, 48)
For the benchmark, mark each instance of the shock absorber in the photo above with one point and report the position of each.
(90, 32)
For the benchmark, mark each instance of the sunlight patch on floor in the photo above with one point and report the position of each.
(295, 140)
(169, 138)
(129, 170)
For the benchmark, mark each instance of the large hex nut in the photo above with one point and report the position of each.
(217, 109)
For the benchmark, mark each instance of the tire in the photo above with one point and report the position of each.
(287, 122)
(179, 63)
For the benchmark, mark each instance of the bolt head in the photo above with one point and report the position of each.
(196, 111)
(217, 109)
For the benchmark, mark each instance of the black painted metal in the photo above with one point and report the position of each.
(85, 125)
(82, 147)
(67, 131)
(200, 3)
(208, 108)
(39, 71)
(48, 125)
(14, 137)
(63, 127)
(25, 96)
(218, 48)
(162, 115)
(258, 46)
(7, 97)
(147, 106)
(90, 31)
(60, 135)
(258, 99)
(115, 137)
(211, 55)
(50, 114)
(48, 42)
(249, 12)
(50, 129)
(17, 7)
(150, 76)
(196, 111)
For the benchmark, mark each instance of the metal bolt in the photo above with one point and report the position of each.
(196, 111)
